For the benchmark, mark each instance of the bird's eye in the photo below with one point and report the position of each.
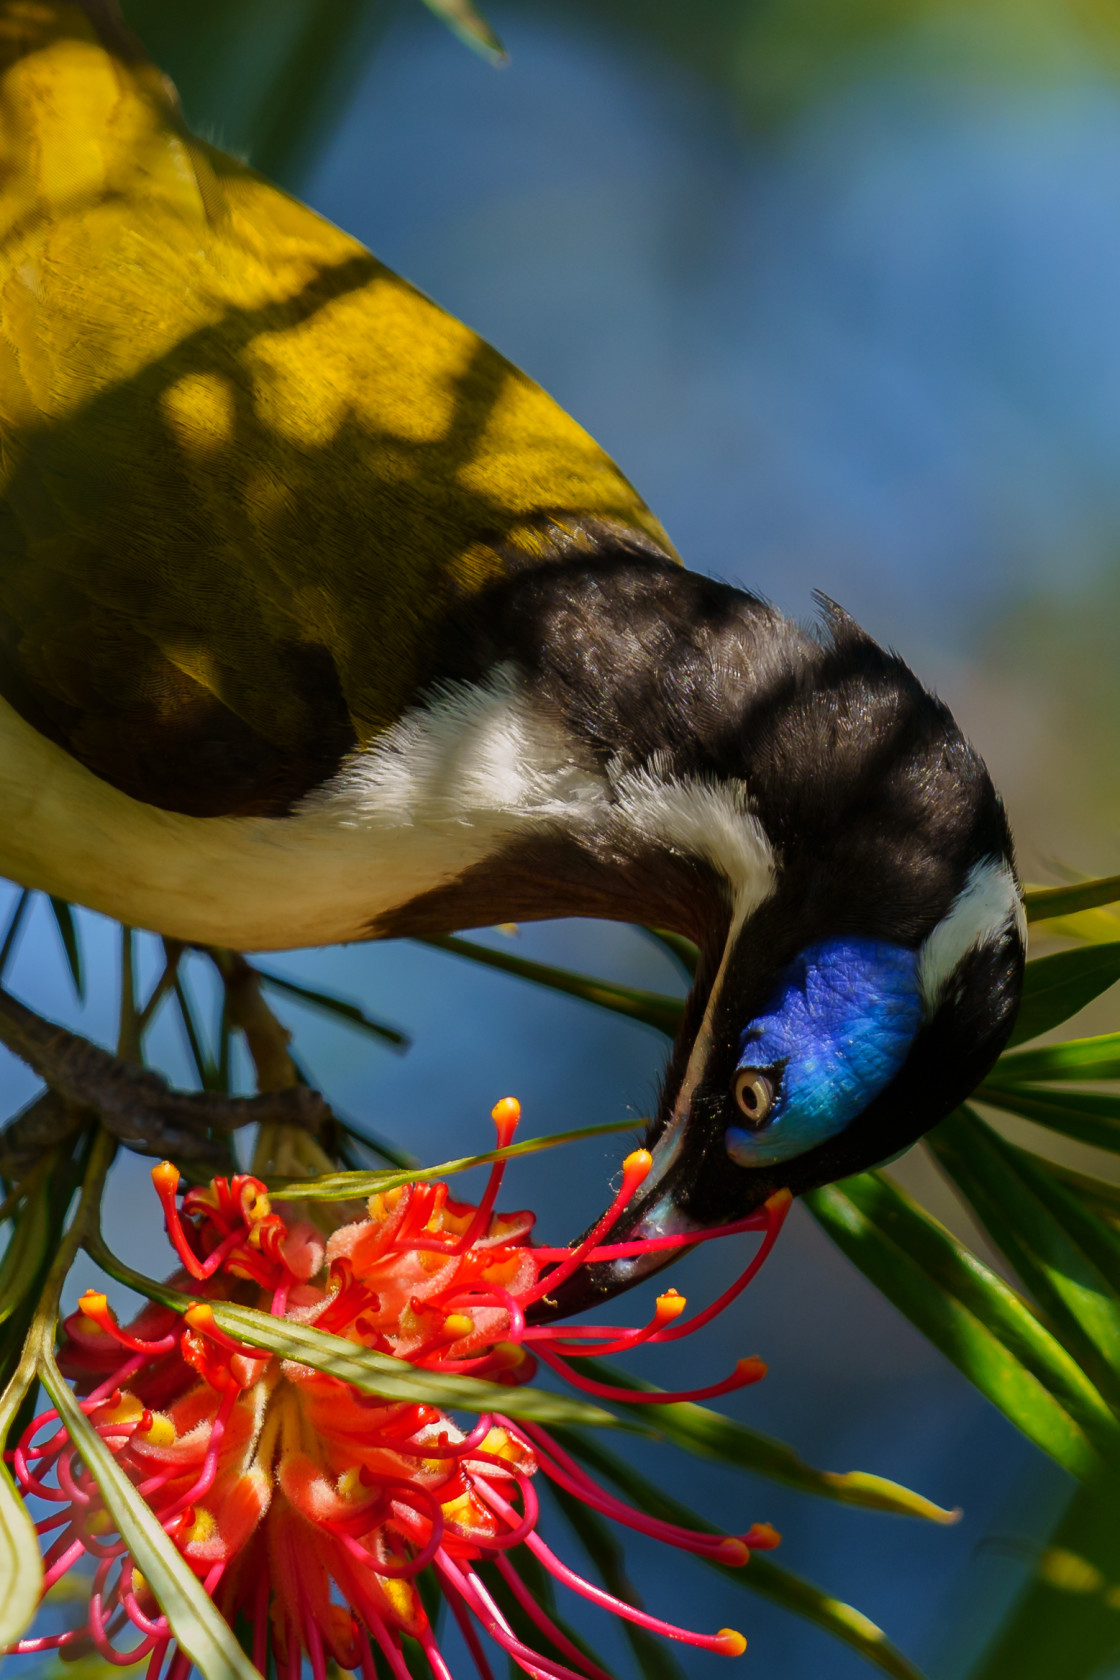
(754, 1095)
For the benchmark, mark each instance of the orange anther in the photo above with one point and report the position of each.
(636, 1168)
(731, 1644)
(200, 1317)
(733, 1552)
(165, 1177)
(93, 1304)
(670, 1306)
(506, 1112)
(762, 1537)
(753, 1370)
(779, 1201)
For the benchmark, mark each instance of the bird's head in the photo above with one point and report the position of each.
(863, 980)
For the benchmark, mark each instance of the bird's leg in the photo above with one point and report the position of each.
(133, 1102)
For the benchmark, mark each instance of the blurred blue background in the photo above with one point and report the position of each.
(849, 322)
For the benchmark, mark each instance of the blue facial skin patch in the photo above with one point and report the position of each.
(839, 1028)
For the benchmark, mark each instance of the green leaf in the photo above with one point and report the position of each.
(1066, 1623)
(396, 1379)
(349, 1186)
(12, 931)
(21, 1566)
(337, 1007)
(21, 1569)
(1067, 1257)
(971, 1315)
(709, 1434)
(684, 953)
(654, 1009)
(1054, 988)
(1076, 1058)
(467, 22)
(841, 1620)
(1091, 1117)
(1044, 903)
(27, 1248)
(195, 1621)
(68, 933)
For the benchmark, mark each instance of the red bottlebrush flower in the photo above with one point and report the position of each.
(308, 1508)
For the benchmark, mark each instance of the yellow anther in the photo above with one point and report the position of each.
(506, 1112)
(457, 1325)
(203, 1527)
(159, 1433)
(127, 1410)
(350, 1483)
(731, 1644)
(99, 1522)
(200, 1316)
(93, 1304)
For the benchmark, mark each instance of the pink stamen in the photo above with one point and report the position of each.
(209, 1470)
(547, 1626)
(747, 1371)
(704, 1641)
(560, 1467)
(505, 1115)
(635, 1170)
(652, 1245)
(777, 1208)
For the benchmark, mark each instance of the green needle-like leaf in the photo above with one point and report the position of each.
(339, 1008)
(709, 1434)
(1067, 1257)
(68, 933)
(972, 1316)
(27, 1247)
(684, 953)
(468, 23)
(350, 1186)
(21, 1566)
(770, 1580)
(1054, 988)
(653, 1008)
(1076, 1058)
(200, 1629)
(396, 1379)
(1042, 904)
(1091, 1117)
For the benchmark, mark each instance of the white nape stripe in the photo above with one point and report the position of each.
(447, 786)
(702, 819)
(987, 904)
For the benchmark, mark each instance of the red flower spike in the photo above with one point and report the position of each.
(310, 1508)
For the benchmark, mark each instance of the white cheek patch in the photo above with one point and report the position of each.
(986, 906)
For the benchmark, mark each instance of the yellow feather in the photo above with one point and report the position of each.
(231, 441)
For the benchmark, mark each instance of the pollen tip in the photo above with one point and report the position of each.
(458, 1325)
(165, 1177)
(729, 1643)
(93, 1304)
(200, 1316)
(733, 1552)
(753, 1369)
(671, 1304)
(779, 1201)
(762, 1537)
(637, 1165)
(506, 1112)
